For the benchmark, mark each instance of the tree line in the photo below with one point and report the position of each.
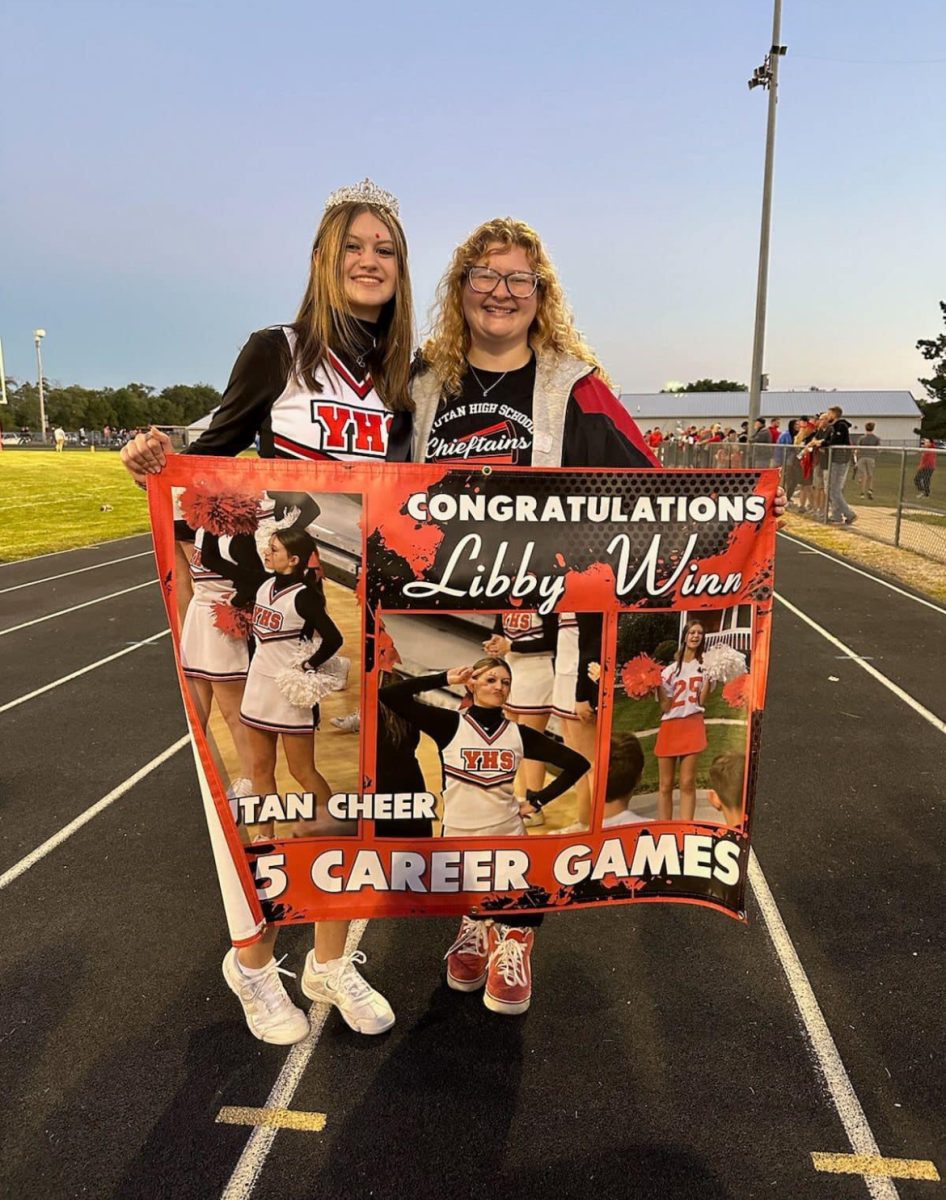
(129, 407)
(137, 404)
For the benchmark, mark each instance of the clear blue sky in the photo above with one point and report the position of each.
(165, 165)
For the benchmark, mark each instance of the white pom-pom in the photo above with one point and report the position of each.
(723, 663)
(266, 529)
(304, 688)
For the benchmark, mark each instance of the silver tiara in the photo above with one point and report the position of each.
(365, 192)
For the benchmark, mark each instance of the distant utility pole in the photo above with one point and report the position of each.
(38, 335)
(3, 378)
(765, 76)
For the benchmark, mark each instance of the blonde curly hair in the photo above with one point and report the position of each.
(553, 329)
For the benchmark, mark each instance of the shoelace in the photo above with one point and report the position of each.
(269, 988)
(509, 957)
(472, 939)
(345, 977)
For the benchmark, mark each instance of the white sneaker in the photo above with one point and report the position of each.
(270, 1014)
(240, 787)
(349, 724)
(363, 1009)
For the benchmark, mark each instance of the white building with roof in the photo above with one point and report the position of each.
(895, 414)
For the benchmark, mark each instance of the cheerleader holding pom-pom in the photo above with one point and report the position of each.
(682, 695)
(290, 607)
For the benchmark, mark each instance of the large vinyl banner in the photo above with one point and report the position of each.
(424, 691)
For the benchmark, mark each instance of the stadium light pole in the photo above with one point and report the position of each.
(765, 76)
(38, 335)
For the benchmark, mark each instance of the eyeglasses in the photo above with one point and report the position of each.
(521, 284)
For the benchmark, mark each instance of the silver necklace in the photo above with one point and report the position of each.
(360, 359)
(486, 390)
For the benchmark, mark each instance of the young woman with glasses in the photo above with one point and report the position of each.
(507, 379)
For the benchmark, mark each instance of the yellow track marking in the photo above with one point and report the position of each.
(873, 1165)
(273, 1118)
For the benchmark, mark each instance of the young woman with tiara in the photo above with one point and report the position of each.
(326, 386)
(681, 737)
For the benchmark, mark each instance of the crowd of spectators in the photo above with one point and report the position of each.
(815, 455)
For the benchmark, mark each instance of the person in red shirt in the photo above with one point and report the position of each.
(927, 466)
(775, 431)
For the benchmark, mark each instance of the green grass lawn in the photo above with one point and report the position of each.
(52, 501)
(636, 715)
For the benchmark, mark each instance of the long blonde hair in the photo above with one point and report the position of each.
(553, 329)
(325, 319)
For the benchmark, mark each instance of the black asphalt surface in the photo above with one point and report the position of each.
(663, 1055)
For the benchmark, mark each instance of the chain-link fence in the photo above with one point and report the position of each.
(88, 439)
(894, 494)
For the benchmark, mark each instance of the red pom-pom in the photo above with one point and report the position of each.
(736, 692)
(388, 657)
(234, 622)
(220, 512)
(640, 676)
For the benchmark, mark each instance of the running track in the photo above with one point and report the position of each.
(666, 1053)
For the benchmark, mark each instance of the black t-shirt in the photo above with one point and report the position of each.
(489, 422)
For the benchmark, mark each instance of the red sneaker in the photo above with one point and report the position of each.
(468, 957)
(509, 981)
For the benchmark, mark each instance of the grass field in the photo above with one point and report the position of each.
(638, 715)
(52, 501)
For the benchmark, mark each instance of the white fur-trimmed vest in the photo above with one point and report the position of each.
(555, 376)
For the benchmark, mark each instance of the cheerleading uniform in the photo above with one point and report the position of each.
(532, 648)
(682, 728)
(565, 687)
(342, 418)
(219, 569)
(286, 610)
(480, 751)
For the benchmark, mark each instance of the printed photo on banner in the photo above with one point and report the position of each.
(494, 715)
(680, 723)
(419, 689)
(270, 649)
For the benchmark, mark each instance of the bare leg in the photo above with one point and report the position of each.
(688, 786)
(330, 936)
(262, 760)
(666, 768)
(531, 773)
(259, 953)
(228, 696)
(201, 694)
(300, 758)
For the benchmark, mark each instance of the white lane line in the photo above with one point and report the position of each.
(48, 687)
(78, 571)
(75, 608)
(898, 691)
(83, 819)
(826, 1054)
(867, 575)
(13, 562)
(251, 1161)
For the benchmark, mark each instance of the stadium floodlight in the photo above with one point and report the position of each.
(38, 335)
(766, 77)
